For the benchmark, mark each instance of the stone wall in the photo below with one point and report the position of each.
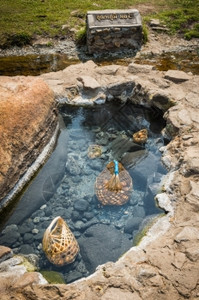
(113, 30)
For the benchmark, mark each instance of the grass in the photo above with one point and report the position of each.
(21, 20)
(182, 17)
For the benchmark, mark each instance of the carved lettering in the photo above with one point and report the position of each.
(112, 17)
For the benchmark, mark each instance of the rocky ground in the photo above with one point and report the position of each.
(158, 42)
(165, 264)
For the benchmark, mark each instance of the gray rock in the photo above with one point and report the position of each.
(137, 197)
(102, 243)
(132, 223)
(39, 236)
(72, 165)
(72, 276)
(48, 212)
(81, 205)
(160, 98)
(130, 159)
(10, 235)
(139, 211)
(138, 68)
(75, 216)
(28, 238)
(89, 215)
(145, 169)
(26, 249)
(26, 227)
(177, 76)
(122, 145)
(79, 225)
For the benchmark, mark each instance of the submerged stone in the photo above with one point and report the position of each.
(102, 243)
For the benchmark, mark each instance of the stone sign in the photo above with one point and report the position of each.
(111, 30)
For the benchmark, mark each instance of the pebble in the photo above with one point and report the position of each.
(43, 206)
(36, 220)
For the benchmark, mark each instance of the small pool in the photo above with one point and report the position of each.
(65, 187)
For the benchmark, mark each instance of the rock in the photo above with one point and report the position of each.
(111, 293)
(79, 225)
(130, 159)
(21, 98)
(177, 76)
(75, 216)
(102, 243)
(65, 26)
(89, 215)
(81, 205)
(107, 70)
(140, 173)
(160, 99)
(193, 197)
(89, 82)
(10, 235)
(192, 253)
(128, 146)
(121, 90)
(26, 227)
(12, 263)
(29, 278)
(137, 68)
(26, 249)
(139, 211)
(179, 260)
(164, 202)
(28, 238)
(5, 253)
(187, 234)
(191, 161)
(154, 22)
(132, 223)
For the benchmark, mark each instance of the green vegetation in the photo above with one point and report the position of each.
(53, 277)
(183, 18)
(21, 20)
(143, 231)
(144, 34)
(81, 35)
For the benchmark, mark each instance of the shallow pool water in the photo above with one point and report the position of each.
(65, 187)
(36, 64)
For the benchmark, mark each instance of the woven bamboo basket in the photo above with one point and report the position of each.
(59, 243)
(117, 196)
(141, 136)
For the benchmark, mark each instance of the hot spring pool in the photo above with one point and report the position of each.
(64, 187)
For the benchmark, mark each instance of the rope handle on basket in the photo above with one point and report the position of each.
(116, 170)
